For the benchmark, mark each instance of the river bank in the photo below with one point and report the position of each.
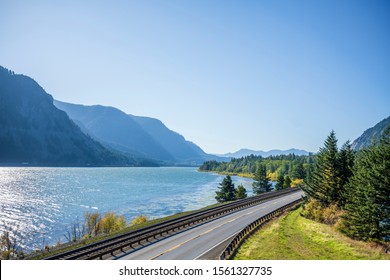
(224, 173)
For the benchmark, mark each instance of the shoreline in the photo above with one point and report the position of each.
(243, 175)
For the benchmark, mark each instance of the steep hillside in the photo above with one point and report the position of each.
(115, 128)
(370, 135)
(33, 131)
(181, 149)
(144, 136)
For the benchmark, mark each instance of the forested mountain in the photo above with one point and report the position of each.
(292, 166)
(115, 128)
(247, 152)
(370, 135)
(144, 136)
(34, 131)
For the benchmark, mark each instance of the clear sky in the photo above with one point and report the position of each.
(225, 74)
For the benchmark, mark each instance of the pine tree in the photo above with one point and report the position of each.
(279, 183)
(325, 183)
(241, 192)
(367, 209)
(287, 182)
(346, 162)
(261, 183)
(298, 171)
(227, 191)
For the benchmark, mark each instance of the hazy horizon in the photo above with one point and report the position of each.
(258, 75)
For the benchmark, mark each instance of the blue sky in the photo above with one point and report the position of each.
(225, 74)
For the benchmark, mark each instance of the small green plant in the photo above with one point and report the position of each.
(139, 220)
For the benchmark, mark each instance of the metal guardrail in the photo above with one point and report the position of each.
(240, 237)
(137, 238)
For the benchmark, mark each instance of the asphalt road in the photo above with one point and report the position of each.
(206, 241)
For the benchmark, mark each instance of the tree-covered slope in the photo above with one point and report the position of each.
(291, 166)
(370, 135)
(115, 128)
(34, 131)
(133, 134)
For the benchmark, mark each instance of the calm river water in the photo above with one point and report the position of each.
(37, 205)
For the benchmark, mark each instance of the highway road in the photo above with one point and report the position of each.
(206, 241)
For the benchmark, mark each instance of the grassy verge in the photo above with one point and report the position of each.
(292, 237)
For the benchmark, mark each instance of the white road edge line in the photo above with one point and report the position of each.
(212, 229)
(234, 234)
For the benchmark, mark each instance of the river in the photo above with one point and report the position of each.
(38, 204)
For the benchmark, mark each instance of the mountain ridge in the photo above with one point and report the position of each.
(140, 135)
(370, 135)
(34, 132)
(274, 152)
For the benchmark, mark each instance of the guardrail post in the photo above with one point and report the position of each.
(251, 227)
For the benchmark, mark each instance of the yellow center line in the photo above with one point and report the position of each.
(203, 233)
(210, 230)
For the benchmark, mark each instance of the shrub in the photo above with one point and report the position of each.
(111, 222)
(8, 247)
(139, 220)
(314, 210)
(331, 214)
(92, 223)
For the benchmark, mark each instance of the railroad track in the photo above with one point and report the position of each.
(132, 240)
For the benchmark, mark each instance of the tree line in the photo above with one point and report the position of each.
(284, 169)
(261, 184)
(345, 188)
(351, 189)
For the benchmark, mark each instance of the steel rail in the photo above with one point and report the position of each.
(141, 236)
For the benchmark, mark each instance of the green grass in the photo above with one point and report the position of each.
(292, 237)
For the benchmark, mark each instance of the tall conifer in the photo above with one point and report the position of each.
(227, 191)
(367, 209)
(241, 192)
(325, 183)
(279, 183)
(346, 162)
(261, 183)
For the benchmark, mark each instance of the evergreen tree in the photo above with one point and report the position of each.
(346, 162)
(241, 192)
(227, 191)
(261, 183)
(298, 171)
(367, 209)
(280, 183)
(325, 183)
(287, 182)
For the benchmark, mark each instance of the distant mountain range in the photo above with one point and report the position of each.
(368, 137)
(37, 130)
(246, 152)
(33, 131)
(371, 135)
(139, 136)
